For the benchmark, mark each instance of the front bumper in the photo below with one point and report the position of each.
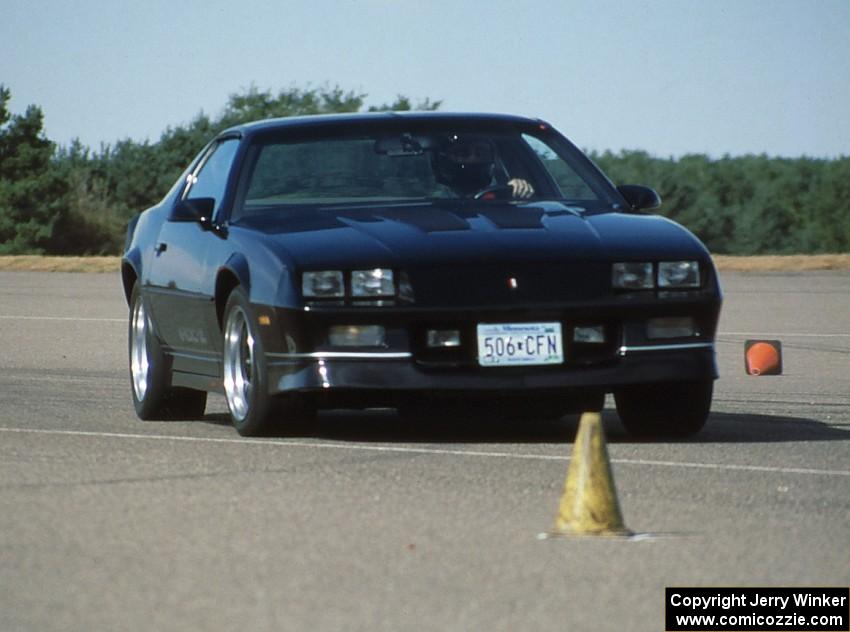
(395, 374)
(298, 357)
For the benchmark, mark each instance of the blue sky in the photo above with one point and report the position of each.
(670, 77)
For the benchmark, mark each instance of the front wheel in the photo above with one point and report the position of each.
(670, 409)
(252, 410)
(245, 376)
(150, 372)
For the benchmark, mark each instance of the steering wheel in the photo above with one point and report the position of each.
(495, 192)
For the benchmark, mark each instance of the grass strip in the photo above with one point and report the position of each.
(725, 263)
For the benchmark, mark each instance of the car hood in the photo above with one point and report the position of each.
(473, 234)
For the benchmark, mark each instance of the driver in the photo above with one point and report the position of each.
(468, 165)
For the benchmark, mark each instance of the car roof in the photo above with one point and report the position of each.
(334, 120)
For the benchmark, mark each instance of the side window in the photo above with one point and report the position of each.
(572, 186)
(211, 180)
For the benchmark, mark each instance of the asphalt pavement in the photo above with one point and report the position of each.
(374, 523)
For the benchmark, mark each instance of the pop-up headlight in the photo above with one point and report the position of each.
(323, 284)
(675, 274)
(632, 276)
(372, 283)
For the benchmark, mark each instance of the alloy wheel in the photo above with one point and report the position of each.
(139, 356)
(238, 363)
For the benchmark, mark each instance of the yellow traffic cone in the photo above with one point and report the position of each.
(589, 505)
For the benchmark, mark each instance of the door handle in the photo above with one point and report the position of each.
(161, 247)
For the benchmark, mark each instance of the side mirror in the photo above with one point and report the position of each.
(194, 210)
(640, 198)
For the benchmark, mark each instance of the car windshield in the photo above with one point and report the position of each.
(404, 167)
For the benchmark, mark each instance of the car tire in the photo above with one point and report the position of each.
(669, 409)
(150, 372)
(245, 377)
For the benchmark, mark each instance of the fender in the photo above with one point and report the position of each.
(234, 272)
(131, 229)
(131, 266)
(237, 265)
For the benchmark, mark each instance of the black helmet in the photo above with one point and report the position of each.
(465, 164)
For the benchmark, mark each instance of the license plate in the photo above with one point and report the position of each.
(520, 344)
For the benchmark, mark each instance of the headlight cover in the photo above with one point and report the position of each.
(633, 276)
(375, 282)
(323, 284)
(678, 274)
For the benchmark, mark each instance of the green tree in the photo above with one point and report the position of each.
(92, 223)
(257, 104)
(31, 188)
(747, 204)
(77, 201)
(404, 104)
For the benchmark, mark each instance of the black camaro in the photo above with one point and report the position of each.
(418, 261)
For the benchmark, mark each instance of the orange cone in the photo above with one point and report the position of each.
(763, 357)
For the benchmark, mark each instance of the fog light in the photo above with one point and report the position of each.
(356, 336)
(589, 335)
(671, 327)
(439, 338)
